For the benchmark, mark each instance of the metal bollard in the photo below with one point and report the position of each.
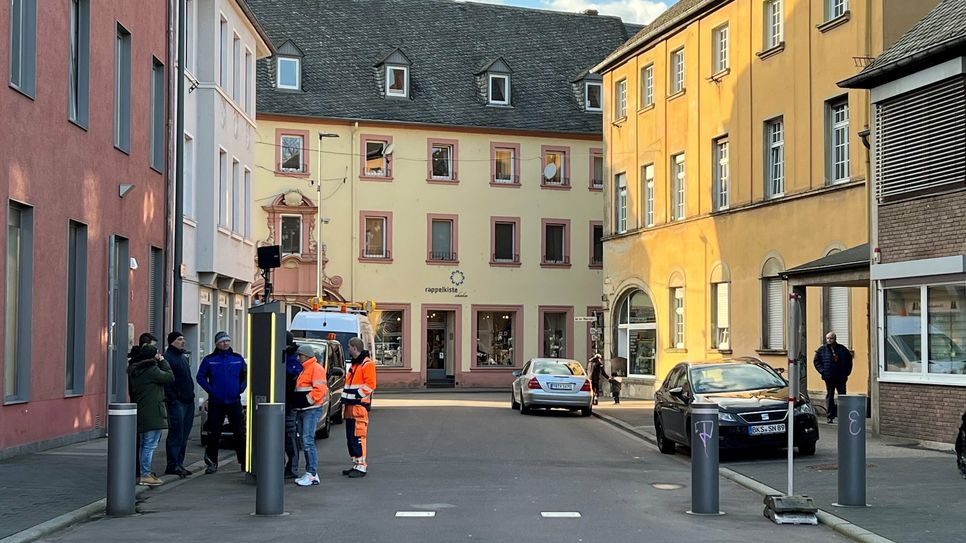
(270, 438)
(704, 459)
(122, 428)
(851, 451)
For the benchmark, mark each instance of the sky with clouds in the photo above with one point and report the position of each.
(631, 11)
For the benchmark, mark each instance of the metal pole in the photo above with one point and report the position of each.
(269, 438)
(794, 318)
(318, 229)
(176, 289)
(852, 451)
(704, 459)
(122, 428)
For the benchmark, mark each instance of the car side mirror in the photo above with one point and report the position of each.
(676, 391)
(336, 372)
(517, 373)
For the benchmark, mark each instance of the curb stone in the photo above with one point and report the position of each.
(838, 524)
(92, 510)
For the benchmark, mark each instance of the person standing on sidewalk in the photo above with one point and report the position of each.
(147, 377)
(596, 370)
(180, 397)
(360, 383)
(834, 362)
(293, 367)
(222, 375)
(961, 448)
(311, 391)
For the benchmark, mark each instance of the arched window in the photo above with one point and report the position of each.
(772, 305)
(635, 334)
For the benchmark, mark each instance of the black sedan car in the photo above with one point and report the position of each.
(752, 401)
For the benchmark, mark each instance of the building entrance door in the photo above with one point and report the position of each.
(439, 348)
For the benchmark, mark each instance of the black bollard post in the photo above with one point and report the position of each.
(704, 459)
(270, 437)
(851, 451)
(122, 428)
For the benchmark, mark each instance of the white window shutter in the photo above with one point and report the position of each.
(774, 337)
(838, 314)
(722, 305)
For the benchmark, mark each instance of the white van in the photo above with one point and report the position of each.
(903, 351)
(319, 324)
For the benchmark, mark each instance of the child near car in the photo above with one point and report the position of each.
(616, 382)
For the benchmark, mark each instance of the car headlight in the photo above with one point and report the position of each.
(804, 409)
(726, 417)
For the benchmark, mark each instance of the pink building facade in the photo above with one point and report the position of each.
(83, 187)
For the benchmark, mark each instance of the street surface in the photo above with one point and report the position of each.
(486, 471)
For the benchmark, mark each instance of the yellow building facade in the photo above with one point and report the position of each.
(476, 261)
(733, 157)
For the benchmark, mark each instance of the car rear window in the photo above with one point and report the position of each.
(733, 378)
(557, 367)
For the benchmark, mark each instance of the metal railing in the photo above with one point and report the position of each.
(442, 256)
(506, 259)
(556, 259)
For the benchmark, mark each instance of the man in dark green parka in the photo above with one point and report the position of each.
(146, 379)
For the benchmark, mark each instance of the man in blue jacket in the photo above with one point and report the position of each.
(834, 362)
(223, 376)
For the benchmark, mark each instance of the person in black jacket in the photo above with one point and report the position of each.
(961, 448)
(596, 370)
(293, 367)
(180, 398)
(834, 362)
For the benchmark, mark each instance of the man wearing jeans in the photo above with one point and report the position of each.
(223, 375)
(180, 397)
(311, 391)
(147, 377)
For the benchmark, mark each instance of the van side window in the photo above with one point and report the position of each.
(337, 359)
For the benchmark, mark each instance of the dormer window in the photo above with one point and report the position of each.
(499, 90)
(288, 67)
(289, 73)
(593, 93)
(397, 81)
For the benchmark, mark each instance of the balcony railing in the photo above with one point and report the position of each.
(503, 258)
(513, 180)
(557, 182)
(596, 260)
(442, 256)
(596, 183)
(557, 260)
(386, 254)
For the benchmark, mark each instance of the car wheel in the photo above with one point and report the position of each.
(806, 449)
(524, 410)
(513, 401)
(665, 445)
(585, 411)
(325, 430)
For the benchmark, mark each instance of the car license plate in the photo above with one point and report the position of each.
(766, 429)
(561, 386)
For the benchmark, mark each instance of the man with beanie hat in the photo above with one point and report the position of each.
(293, 367)
(146, 379)
(311, 391)
(222, 375)
(180, 398)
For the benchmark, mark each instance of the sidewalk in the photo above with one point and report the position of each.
(914, 494)
(36, 488)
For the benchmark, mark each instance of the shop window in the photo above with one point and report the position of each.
(389, 332)
(496, 338)
(556, 331)
(635, 334)
(925, 323)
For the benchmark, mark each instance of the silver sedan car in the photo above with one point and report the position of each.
(551, 382)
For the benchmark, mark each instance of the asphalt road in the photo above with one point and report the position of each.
(487, 473)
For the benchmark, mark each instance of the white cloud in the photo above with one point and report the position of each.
(631, 11)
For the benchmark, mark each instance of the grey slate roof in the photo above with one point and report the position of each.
(447, 42)
(854, 257)
(940, 35)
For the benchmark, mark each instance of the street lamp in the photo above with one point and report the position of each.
(318, 221)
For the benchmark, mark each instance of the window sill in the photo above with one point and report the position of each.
(771, 352)
(619, 121)
(383, 178)
(236, 236)
(646, 108)
(721, 209)
(771, 51)
(555, 187)
(432, 181)
(506, 185)
(76, 123)
(549, 265)
(677, 94)
(719, 75)
(15, 401)
(835, 23)
(249, 242)
(189, 221)
(155, 169)
(593, 110)
(125, 151)
(507, 264)
(286, 89)
(720, 351)
(374, 260)
(596, 266)
(280, 173)
(72, 394)
(224, 230)
(675, 350)
(442, 262)
(22, 92)
(593, 188)
(499, 105)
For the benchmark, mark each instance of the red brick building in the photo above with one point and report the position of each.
(83, 188)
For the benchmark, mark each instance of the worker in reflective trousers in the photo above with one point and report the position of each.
(357, 398)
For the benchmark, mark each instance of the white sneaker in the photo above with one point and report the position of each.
(307, 479)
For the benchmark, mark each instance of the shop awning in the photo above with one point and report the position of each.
(848, 268)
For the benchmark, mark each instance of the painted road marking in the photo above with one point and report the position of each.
(423, 514)
(559, 514)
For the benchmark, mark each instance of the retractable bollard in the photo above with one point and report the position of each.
(270, 437)
(851, 451)
(122, 428)
(704, 459)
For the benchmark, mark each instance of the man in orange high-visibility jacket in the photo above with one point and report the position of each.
(357, 398)
(311, 391)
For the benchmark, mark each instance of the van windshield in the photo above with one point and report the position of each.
(341, 337)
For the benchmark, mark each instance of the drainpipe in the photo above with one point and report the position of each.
(178, 257)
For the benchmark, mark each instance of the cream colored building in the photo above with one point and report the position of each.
(461, 187)
(735, 174)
